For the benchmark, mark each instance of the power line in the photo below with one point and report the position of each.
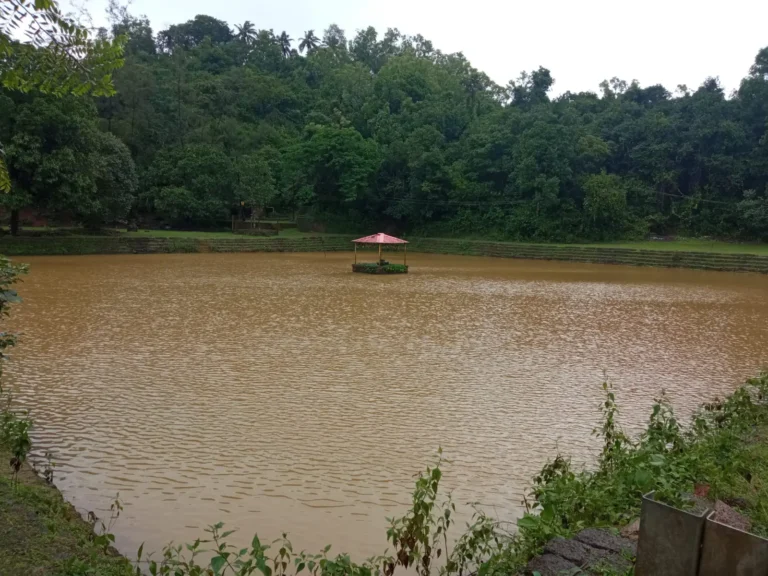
(684, 197)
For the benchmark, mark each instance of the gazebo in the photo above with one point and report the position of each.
(381, 267)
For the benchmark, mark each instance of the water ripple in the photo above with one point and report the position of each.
(280, 391)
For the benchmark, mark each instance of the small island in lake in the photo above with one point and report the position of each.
(381, 266)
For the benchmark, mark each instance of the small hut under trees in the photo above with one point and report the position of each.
(381, 266)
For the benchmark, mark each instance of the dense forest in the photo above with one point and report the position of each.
(384, 132)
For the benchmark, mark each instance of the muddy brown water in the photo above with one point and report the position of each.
(281, 392)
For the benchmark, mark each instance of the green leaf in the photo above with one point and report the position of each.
(528, 521)
(217, 563)
(10, 296)
(657, 460)
(643, 478)
(262, 565)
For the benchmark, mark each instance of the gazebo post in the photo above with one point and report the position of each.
(355, 252)
(405, 254)
(379, 254)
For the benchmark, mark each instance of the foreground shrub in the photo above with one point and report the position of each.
(420, 539)
(374, 268)
(723, 451)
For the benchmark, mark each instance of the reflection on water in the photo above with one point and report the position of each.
(282, 392)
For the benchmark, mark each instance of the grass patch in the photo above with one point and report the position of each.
(296, 233)
(285, 233)
(685, 246)
(178, 234)
(122, 233)
(664, 246)
(42, 535)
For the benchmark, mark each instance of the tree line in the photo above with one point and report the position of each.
(384, 132)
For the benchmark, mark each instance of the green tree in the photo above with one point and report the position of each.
(531, 88)
(332, 167)
(309, 42)
(192, 185)
(334, 38)
(285, 44)
(194, 32)
(442, 149)
(115, 180)
(753, 210)
(246, 32)
(60, 57)
(255, 181)
(60, 163)
(605, 206)
(137, 32)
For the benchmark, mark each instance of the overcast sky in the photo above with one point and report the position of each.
(669, 42)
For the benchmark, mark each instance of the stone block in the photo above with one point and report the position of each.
(551, 565)
(603, 539)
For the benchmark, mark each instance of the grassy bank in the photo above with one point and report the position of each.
(692, 245)
(187, 243)
(285, 233)
(42, 535)
(679, 245)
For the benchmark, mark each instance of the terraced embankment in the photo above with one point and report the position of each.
(599, 255)
(150, 245)
(589, 254)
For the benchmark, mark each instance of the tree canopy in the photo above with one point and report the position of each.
(386, 130)
(59, 57)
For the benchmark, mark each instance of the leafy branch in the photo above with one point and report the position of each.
(60, 57)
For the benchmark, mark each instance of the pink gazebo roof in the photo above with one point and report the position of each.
(380, 238)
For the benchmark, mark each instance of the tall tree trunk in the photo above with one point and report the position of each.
(15, 222)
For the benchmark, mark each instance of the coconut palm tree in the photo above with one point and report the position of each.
(285, 44)
(310, 42)
(246, 33)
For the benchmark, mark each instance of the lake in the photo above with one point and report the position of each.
(281, 392)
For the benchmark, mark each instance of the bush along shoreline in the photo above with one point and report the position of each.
(722, 449)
